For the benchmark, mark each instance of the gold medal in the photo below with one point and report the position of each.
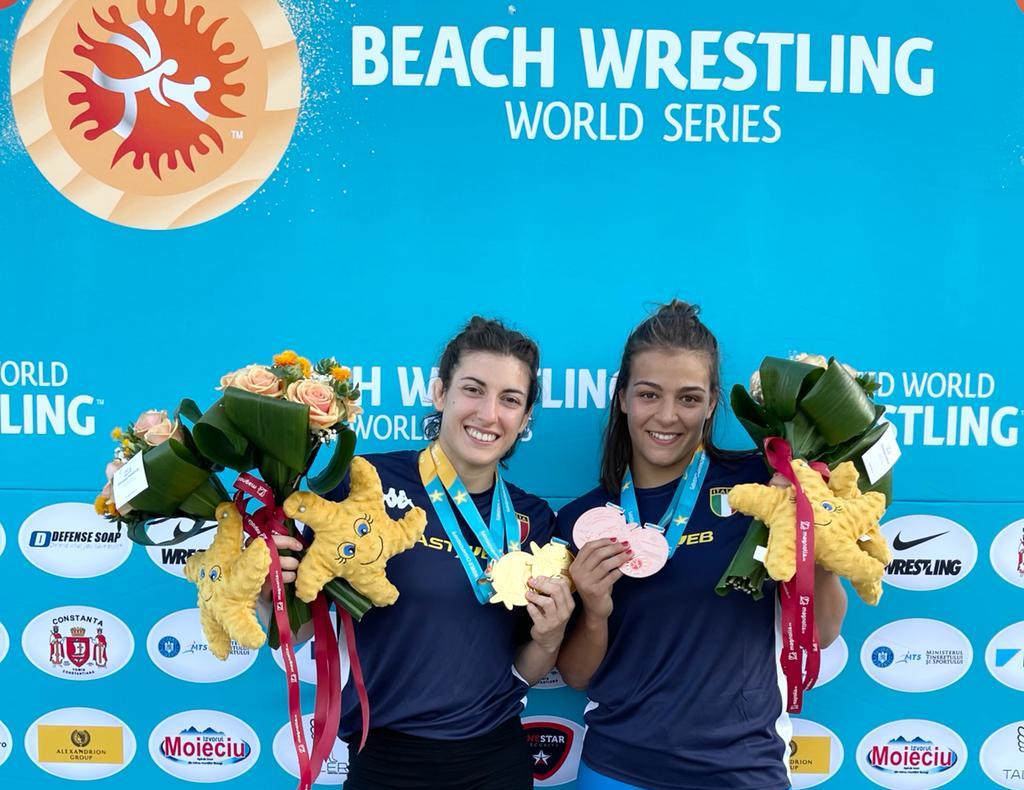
(511, 573)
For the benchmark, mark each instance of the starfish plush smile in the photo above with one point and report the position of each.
(847, 537)
(354, 538)
(229, 580)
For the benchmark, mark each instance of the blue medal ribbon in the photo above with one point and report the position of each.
(443, 486)
(673, 523)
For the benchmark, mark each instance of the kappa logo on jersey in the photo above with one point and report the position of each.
(167, 109)
(397, 500)
(549, 743)
(719, 501)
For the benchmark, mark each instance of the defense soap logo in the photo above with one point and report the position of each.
(911, 753)
(916, 655)
(204, 746)
(157, 114)
(177, 645)
(928, 552)
(1002, 755)
(70, 540)
(1004, 656)
(815, 753)
(555, 745)
(1007, 553)
(334, 771)
(80, 743)
(77, 643)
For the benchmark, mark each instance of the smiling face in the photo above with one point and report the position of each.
(362, 545)
(666, 402)
(483, 411)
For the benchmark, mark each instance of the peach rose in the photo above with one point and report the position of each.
(257, 379)
(323, 403)
(148, 419)
(112, 467)
(163, 431)
(812, 359)
(352, 410)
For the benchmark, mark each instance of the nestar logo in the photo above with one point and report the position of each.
(171, 112)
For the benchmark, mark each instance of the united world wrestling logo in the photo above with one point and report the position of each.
(156, 113)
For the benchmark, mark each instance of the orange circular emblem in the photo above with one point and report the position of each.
(155, 113)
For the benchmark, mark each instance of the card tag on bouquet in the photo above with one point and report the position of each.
(129, 481)
(882, 456)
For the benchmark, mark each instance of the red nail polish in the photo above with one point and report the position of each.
(625, 543)
(615, 540)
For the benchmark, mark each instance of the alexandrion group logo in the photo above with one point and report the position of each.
(177, 645)
(77, 643)
(1007, 553)
(204, 746)
(157, 114)
(5, 743)
(911, 753)
(928, 552)
(1004, 656)
(555, 745)
(69, 539)
(815, 753)
(1002, 756)
(173, 558)
(80, 743)
(916, 655)
(333, 772)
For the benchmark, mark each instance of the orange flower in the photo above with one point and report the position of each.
(306, 365)
(340, 373)
(288, 357)
(100, 505)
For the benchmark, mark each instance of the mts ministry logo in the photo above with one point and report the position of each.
(155, 114)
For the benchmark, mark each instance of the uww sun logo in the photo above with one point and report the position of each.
(155, 82)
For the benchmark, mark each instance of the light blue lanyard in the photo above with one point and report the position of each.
(673, 523)
(503, 527)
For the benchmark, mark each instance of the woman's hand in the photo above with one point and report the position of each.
(549, 604)
(289, 565)
(595, 570)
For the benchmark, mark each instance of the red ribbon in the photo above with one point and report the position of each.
(800, 657)
(264, 523)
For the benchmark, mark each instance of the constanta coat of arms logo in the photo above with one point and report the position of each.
(155, 113)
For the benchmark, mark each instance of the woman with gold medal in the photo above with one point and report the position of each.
(446, 671)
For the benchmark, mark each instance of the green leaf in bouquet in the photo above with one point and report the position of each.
(837, 406)
(783, 382)
(220, 441)
(276, 427)
(343, 595)
(752, 416)
(332, 474)
(744, 572)
(282, 479)
(804, 437)
(202, 503)
(855, 447)
(173, 474)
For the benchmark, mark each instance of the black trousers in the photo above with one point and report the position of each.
(497, 760)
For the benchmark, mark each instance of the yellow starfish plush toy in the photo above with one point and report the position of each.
(847, 537)
(229, 580)
(354, 538)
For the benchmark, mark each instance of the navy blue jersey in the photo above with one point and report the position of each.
(690, 694)
(437, 663)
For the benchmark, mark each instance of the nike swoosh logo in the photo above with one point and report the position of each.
(902, 545)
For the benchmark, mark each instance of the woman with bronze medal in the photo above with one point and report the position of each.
(446, 670)
(685, 686)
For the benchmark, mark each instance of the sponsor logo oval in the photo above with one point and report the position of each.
(69, 539)
(77, 643)
(204, 746)
(5, 743)
(833, 661)
(555, 745)
(335, 768)
(1007, 553)
(80, 743)
(305, 658)
(3, 540)
(911, 753)
(815, 753)
(916, 655)
(177, 645)
(1002, 755)
(1004, 656)
(5, 642)
(928, 552)
(172, 558)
